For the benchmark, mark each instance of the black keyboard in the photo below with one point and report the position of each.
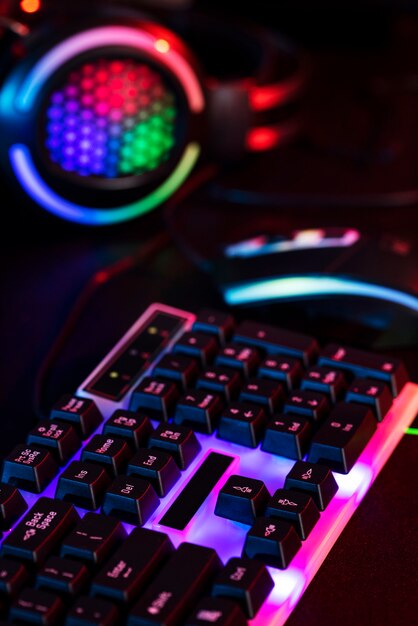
(200, 475)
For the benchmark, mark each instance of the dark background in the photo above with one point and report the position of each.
(354, 164)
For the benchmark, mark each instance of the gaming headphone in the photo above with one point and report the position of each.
(104, 112)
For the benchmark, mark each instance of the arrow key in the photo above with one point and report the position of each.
(242, 499)
(294, 507)
(242, 423)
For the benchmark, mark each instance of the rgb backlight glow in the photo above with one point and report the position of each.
(111, 118)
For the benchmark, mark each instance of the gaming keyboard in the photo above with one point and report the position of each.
(200, 475)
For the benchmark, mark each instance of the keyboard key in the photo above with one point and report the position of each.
(294, 507)
(198, 488)
(198, 409)
(326, 380)
(179, 441)
(197, 345)
(268, 393)
(93, 539)
(242, 423)
(81, 413)
(273, 341)
(93, 612)
(285, 370)
(40, 531)
(245, 581)
(61, 440)
(13, 576)
(309, 403)
(288, 436)
(243, 359)
(313, 479)
(83, 484)
(12, 505)
(63, 576)
(242, 499)
(37, 607)
(219, 611)
(216, 323)
(372, 393)
(157, 467)
(174, 592)
(132, 566)
(134, 428)
(341, 439)
(221, 380)
(366, 365)
(130, 499)
(272, 541)
(178, 368)
(156, 397)
(108, 452)
(29, 468)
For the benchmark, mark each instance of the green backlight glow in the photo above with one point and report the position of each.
(411, 431)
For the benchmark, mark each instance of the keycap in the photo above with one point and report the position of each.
(373, 393)
(130, 499)
(245, 581)
(179, 441)
(294, 507)
(365, 364)
(272, 541)
(219, 611)
(37, 607)
(130, 569)
(200, 346)
(13, 576)
(242, 499)
(93, 539)
(221, 380)
(273, 341)
(326, 380)
(268, 393)
(309, 403)
(61, 440)
(198, 488)
(63, 576)
(81, 413)
(132, 427)
(92, 612)
(288, 436)
(40, 531)
(343, 436)
(314, 479)
(83, 484)
(242, 423)
(198, 409)
(285, 370)
(156, 397)
(108, 452)
(173, 593)
(178, 368)
(216, 323)
(29, 468)
(157, 467)
(12, 505)
(241, 358)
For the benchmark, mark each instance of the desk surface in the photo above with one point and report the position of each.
(370, 575)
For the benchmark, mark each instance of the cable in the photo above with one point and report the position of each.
(98, 280)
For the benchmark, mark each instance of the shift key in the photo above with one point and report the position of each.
(40, 531)
(178, 586)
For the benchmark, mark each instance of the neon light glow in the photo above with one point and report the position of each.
(36, 188)
(263, 138)
(111, 118)
(108, 36)
(30, 6)
(411, 431)
(301, 240)
(264, 97)
(311, 286)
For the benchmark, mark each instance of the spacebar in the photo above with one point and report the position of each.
(196, 491)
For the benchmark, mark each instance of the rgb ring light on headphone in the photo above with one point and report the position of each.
(97, 127)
